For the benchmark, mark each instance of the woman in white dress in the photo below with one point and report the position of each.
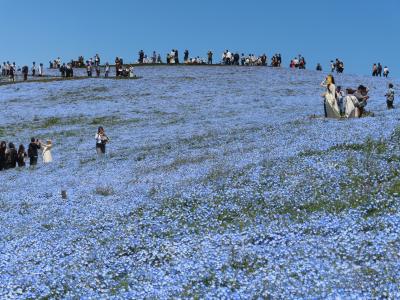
(46, 152)
(331, 106)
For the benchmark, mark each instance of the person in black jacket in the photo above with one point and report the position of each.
(33, 148)
(21, 156)
(3, 148)
(11, 157)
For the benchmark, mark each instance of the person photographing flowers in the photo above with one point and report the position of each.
(101, 141)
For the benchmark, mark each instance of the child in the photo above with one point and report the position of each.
(390, 97)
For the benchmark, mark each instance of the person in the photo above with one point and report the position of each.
(390, 97)
(131, 72)
(21, 156)
(41, 73)
(186, 56)
(33, 148)
(385, 71)
(11, 156)
(379, 70)
(97, 71)
(351, 103)
(333, 66)
(3, 148)
(117, 63)
(89, 69)
(340, 96)
(210, 57)
(374, 70)
(25, 71)
(176, 56)
(33, 69)
(107, 70)
(330, 103)
(63, 70)
(12, 73)
(46, 152)
(362, 96)
(319, 67)
(101, 141)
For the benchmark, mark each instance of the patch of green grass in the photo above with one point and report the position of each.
(50, 122)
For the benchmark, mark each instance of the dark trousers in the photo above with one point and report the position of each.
(101, 148)
(33, 160)
(389, 104)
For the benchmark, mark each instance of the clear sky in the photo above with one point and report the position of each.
(359, 32)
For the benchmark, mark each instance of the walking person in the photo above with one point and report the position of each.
(33, 154)
(21, 156)
(101, 141)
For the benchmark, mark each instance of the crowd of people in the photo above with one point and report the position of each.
(9, 70)
(350, 103)
(337, 66)
(10, 157)
(377, 70)
(298, 63)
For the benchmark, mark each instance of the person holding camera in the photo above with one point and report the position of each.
(101, 141)
(33, 154)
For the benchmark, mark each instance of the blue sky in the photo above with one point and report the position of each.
(358, 32)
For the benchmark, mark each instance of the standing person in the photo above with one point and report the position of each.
(117, 63)
(63, 70)
(12, 74)
(107, 70)
(374, 70)
(333, 67)
(88, 69)
(97, 60)
(25, 71)
(340, 96)
(390, 97)
(385, 72)
(33, 148)
(186, 56)
(21, 156)
(97, 71)
(379, 70)
(131, 72)
(176, 57)
(362, 96)
(3, 148)
(41, 73)
(33, 70)
(210, 57)
(46, 152)
(101, 141)
(11, 156)
(330, 104)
